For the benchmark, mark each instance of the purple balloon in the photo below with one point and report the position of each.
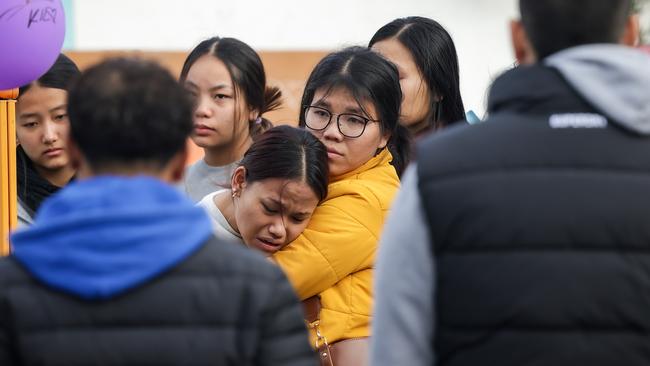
(31, 37)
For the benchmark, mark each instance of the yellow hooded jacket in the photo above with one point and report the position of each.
(335, 255)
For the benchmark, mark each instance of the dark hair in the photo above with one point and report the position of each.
(60, 75)
(128, 111)
(555, 25)
(247, 73)
(369, 77)
(435, 55)
(289, 153)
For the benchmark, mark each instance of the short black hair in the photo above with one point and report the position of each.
(369, 77)
(59, 76)
(434, 53)
(288, 153)
(555, 25)
(127, 111)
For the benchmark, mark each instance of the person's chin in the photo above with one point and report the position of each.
(337, 168)
(205, 141)
(55, 164)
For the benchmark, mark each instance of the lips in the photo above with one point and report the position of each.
(333, 152)
(200, 129)
(53, 152)
(267, 245)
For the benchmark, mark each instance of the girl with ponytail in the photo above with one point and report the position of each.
(226, 78)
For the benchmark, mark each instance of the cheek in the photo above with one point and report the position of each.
(30, 142)
(317, 134)
(249, 219)
(64, 132)
(410, 88)
(294, 230)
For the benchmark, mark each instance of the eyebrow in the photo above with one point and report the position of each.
(59, 107)
(214, 88)
(353, 110)
(29, 115)
(278, 203)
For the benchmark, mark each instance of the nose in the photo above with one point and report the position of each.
(277, 229)
(50, 133)
(332, 132)
(203, 108)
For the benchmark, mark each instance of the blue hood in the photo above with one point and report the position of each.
(99, 237)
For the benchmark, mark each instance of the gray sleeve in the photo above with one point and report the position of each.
(404, 284)
(25, 216)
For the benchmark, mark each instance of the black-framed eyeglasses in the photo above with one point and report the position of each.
(349, 124)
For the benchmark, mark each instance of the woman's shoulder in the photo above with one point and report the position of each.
(220, 225)
(379, 183)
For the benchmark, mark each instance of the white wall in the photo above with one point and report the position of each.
(479, 27)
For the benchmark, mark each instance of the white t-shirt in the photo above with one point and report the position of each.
(220, 225)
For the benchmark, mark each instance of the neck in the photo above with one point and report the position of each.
(59, 177)
(228, 154)
(225, 203)
(419, 128)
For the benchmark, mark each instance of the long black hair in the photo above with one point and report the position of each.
(435, 55)
(60, 76)
(369, 77)
(289, 153)
(247, 73)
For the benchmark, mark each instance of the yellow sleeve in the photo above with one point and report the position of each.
(341, 238)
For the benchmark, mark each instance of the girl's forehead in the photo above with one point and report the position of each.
(210, 71)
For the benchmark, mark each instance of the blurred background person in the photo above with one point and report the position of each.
(42, 126)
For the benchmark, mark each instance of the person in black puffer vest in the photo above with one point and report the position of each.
(120, 268)
(524, 240)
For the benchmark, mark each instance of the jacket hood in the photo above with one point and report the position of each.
(99, 237)
(614, 79)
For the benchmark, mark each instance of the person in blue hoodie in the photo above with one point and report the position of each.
(524, 240)
(119, 268)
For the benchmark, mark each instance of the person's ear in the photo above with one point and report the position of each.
(77, 160)
(238, 181)
(521, 45)
(631, 34)
(253, 114)
(384, 140)
(177, 164)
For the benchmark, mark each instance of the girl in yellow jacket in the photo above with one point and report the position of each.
(351, 103)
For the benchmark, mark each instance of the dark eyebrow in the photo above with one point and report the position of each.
(273, 201)
(220, 87)
(212, 89)
(59, 107)
(321, 103)
(356, 111)
(27, 115)
(191, 84)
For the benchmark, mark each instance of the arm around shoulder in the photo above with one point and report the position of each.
(340, 239)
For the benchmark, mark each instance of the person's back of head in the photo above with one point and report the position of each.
(129, 116)
(555, 25)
